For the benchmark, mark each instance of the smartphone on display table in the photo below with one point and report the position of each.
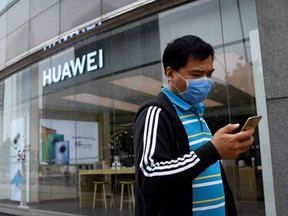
(251, 123)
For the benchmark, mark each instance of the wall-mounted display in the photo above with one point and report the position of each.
(68, 142)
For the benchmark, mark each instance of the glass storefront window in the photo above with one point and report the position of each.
(70, 116)
(88, 96)
(15, 136)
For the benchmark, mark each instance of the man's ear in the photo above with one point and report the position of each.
(169, 72)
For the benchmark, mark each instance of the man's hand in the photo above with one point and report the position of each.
(230, 146)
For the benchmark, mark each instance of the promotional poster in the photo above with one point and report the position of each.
(68, 142)
(17, 158)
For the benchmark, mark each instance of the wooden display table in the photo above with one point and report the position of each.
(86, 178)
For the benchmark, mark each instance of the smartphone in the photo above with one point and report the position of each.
(45, 132)
(62, 152)
(52, 140)
(251, 123)
(16, 139)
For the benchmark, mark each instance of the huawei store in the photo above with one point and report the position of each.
(67, 118)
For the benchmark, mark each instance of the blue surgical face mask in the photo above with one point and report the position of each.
(196, 91)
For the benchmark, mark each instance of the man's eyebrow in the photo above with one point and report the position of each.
(201, 70)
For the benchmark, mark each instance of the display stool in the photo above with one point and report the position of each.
(104, 200)
(130, 189)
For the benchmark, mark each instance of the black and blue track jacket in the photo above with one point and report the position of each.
(164, 165)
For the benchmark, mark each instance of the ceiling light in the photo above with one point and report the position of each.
(102, 101)
(140, 83)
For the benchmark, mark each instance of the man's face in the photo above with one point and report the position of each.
(193, 69)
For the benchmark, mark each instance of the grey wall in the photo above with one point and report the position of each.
(273, 33)
(30, 23)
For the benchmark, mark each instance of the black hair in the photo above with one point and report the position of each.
(177, 53)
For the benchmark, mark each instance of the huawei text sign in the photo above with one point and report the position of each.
(87, 63)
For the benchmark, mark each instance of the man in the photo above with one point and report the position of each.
(178, 171)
